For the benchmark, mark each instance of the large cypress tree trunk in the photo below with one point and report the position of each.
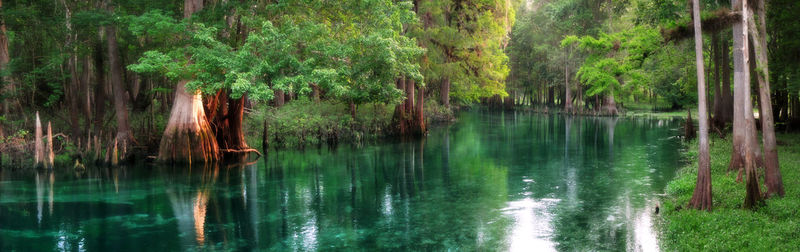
(701, 198)
(758, 29)
(188, 136)
(227, 115)
(609, 106)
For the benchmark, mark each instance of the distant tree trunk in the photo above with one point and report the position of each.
(8, 86)
(773, 176)
(551, 96)
(701, 198)
(717, 107)
(124, 135)
(38, 154)
(399, 118)
(352, 110)
(315, 92)
(410, 84)
(445, 92)
(188, 136)
(419, 120)
(753, 196)
(278, 98)
(567, 91)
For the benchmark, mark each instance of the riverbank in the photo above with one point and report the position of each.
(302, 123)
(729, 227)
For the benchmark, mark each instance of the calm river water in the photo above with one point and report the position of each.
(492, 181)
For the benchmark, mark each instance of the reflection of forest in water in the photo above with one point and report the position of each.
(493, 180)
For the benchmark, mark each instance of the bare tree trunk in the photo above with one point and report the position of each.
(701, 198)
(753, 196)
(743, 121)
(758, 29)
(188, 136)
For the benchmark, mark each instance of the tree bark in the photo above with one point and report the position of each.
(773, 178)
(701, 198)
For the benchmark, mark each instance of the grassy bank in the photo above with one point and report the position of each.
(729, 227)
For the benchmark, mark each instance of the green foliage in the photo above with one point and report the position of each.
(773, 227)
(614, 60)
(289, 52)
(464, 42)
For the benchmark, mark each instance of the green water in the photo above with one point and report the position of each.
(492, 181)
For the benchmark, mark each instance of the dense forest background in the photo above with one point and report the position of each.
(202, 80)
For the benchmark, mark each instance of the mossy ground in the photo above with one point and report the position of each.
(729, 227)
